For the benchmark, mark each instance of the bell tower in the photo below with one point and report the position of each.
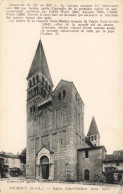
(39, 91)
(39, 81)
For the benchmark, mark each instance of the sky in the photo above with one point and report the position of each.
(92, 61)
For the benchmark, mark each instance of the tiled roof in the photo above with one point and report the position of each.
(93, 128)
(116, 156)
(40, 63)
(8, 155)
(92, 148)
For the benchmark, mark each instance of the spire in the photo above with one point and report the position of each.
(93, 128)
(40, 63)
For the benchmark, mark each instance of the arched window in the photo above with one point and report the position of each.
(30, 83)
(64, 93)
(86, 174)
(33, 80)
(59, 96)
(31, 109)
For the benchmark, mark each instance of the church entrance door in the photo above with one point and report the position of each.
(45, 167)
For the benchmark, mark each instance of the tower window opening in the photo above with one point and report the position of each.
(30, 83)
(86, 154)
(59, 96)
(31, 109)
(92, 138)
(33, 80)
(95, 137)
(64, 93)
(34, 108)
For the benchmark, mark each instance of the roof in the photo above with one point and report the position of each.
(117, 156)
(93, 128)
(92, 148)
(71, 83)
(40, 63)
(8, 155)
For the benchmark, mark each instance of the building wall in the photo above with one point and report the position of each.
(93, 163)
(60, 127)
(12, 162)
(120, 167)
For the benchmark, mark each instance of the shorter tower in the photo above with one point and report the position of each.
(93, 133)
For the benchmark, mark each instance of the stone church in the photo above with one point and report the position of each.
(57, 148)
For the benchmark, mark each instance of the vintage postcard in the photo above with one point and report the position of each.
(61, 96)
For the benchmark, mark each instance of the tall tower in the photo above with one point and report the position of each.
(55, 124)
(93, 133)
(39, 90)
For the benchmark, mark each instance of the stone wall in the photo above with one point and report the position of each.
(93, 162)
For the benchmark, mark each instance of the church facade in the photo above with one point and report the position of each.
(57, 148)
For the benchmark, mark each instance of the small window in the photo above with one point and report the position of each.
(95, 137)
(59, 96)
(49, 88)
(64, 93)
(33, 80)
(34, 108)
(30, 83)
(31, 109)
(91, 138)
(86, 154)
(117, 164)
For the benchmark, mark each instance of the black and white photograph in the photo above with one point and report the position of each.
(61, 97)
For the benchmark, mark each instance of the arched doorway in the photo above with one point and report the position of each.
(44, 161)
(86, 175)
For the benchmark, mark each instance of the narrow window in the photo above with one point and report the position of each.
(31, 109)
(64, 93)
(59, 96)
(34, 108)
(95, 137)
(86, 154)
(92, 138)
(30, 83)
(33, 80)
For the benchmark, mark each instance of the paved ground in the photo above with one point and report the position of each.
(22, 185)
